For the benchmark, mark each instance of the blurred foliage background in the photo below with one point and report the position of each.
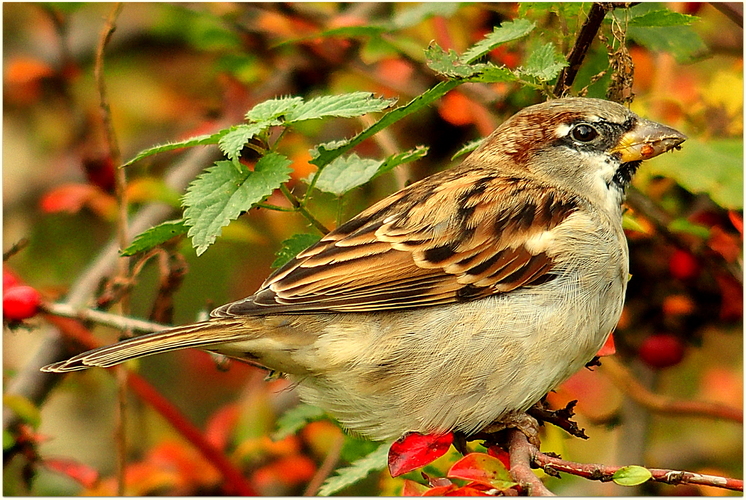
(178, 70)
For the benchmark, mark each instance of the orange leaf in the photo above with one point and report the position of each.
(24, 70)
(481, 468)
(83, 474)
(73, 197)
(413, 489)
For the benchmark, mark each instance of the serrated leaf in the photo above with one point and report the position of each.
(293, 246)
(490, 73)
(222, 193)
(631, 475)
(448, 63)
(327, 147)
(506, 32)
(346, 173)
(467, 148)
(346, 476)
(343, 106)
(27, 411)
(273, 108)
(661, 17)
(200, 140)
(295, 419)
(544, 63)
(236, 138)
(155, 236)
(721, 180)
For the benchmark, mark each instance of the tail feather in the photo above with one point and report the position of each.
(196, 335)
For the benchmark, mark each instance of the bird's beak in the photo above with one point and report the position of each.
(647, 140)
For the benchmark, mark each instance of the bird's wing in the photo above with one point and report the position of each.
(452, 237)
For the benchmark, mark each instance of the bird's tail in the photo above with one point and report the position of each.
(202, 335)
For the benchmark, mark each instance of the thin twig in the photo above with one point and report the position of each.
(122, 233)
(599, 472)
(632, 388)
(103, 318)
(326, 468)
(523, 452)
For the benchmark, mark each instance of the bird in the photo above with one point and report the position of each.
(459, 301)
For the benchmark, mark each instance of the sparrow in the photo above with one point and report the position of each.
(458, 301)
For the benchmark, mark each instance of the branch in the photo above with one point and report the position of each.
(522, 453)
(102, 318)
(521, 456)
(580, 49)
(626, 382)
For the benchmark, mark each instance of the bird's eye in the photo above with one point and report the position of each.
(583, 133)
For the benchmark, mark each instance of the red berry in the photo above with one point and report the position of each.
(683, 265)
(661, 350)
(20, 302)
(9, 279)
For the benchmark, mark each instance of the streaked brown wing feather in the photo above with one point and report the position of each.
(455, 236)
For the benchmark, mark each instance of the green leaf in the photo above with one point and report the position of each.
(544, 63)
(295, 419)
(200, 140)
(631, 475)
(346, 173)
(27, 411)
(712, 167)
(688, 227)
(449, 63)
(493, 74)
(506, 32)
(659, 17)
(222, 193)
(323, 156)
(467, 148)
(343, 106)
(234, 140)
(681, 41)
(273, 108)
(155, 236)
(293, 246)
(395, 160)
(359, 470)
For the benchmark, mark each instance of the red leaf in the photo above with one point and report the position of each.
(414, 450)
(440, 491)
(737, 221)
(609, 348)
(83, 474)
(483, 469)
